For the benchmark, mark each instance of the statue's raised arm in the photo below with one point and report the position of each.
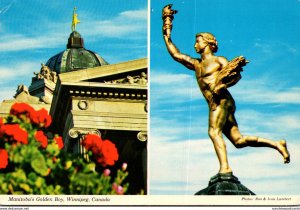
(168, 16)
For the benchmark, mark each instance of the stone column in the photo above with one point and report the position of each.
(143, 136)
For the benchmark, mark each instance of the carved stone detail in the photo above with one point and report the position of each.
(83, 104)
(132, 80)
(142, 136)
(23, 95)
(77, 132)
(46, 73)
(146, 107)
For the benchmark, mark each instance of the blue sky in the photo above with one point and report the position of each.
(267, 33)
(33, 31)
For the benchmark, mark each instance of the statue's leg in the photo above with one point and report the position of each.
(217, 119)
(232, 132)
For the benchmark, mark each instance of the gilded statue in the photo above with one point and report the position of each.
(215, 74)
(75, 20)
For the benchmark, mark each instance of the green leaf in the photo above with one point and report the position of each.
(53, 149)
(57, 190)
(68, 164)
(4, 188)
(39, 182)
(18, 192)
(39, 165)
(89, 167)
(19, 175)
(25, 187)
(16, 155)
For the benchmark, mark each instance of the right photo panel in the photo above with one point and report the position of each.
(225, 97)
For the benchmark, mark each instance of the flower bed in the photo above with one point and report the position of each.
(32, 163)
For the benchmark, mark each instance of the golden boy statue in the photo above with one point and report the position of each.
(214, 75)
(75, 20)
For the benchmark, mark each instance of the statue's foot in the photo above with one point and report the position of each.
(282, 148)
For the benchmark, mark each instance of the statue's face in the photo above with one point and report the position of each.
(200, 44)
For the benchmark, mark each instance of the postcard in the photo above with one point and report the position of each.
(149, 103)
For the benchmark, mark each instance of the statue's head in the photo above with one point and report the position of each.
(210, 40)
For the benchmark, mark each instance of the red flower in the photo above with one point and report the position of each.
(105, 152)
(109, 154)
(40, 137)
(14, 132)
(59, 141)
(92, 142)
(3, 158)
(19, 109)
(40, 117)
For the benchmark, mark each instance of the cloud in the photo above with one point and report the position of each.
(259, 173)
(18, 70)
(135, 14)
(128, 25)
(181, 125)
(270, 124)
(19, 42)
(169, 78)
(13, 75)
(7, 93)
(253, 92)
(177, 106)
(188, 165)
(182, 87)
(173, 88)
(182, 157)
(169, 162)
(270, 48)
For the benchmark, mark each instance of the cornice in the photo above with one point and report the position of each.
(103, 71)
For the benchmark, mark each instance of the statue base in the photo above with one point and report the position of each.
(225, 184)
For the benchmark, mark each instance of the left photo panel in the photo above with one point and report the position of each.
(73, 97)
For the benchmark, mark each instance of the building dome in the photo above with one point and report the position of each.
(75, 57)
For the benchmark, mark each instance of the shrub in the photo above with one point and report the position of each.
(32, 163)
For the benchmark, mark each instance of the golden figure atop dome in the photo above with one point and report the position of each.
(75, 19)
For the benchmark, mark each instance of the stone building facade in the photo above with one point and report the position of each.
(84, 94)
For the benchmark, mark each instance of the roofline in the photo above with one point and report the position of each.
(102, 71)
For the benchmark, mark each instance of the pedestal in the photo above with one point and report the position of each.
(225, 184)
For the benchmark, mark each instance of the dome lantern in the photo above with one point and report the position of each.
(75, 40)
